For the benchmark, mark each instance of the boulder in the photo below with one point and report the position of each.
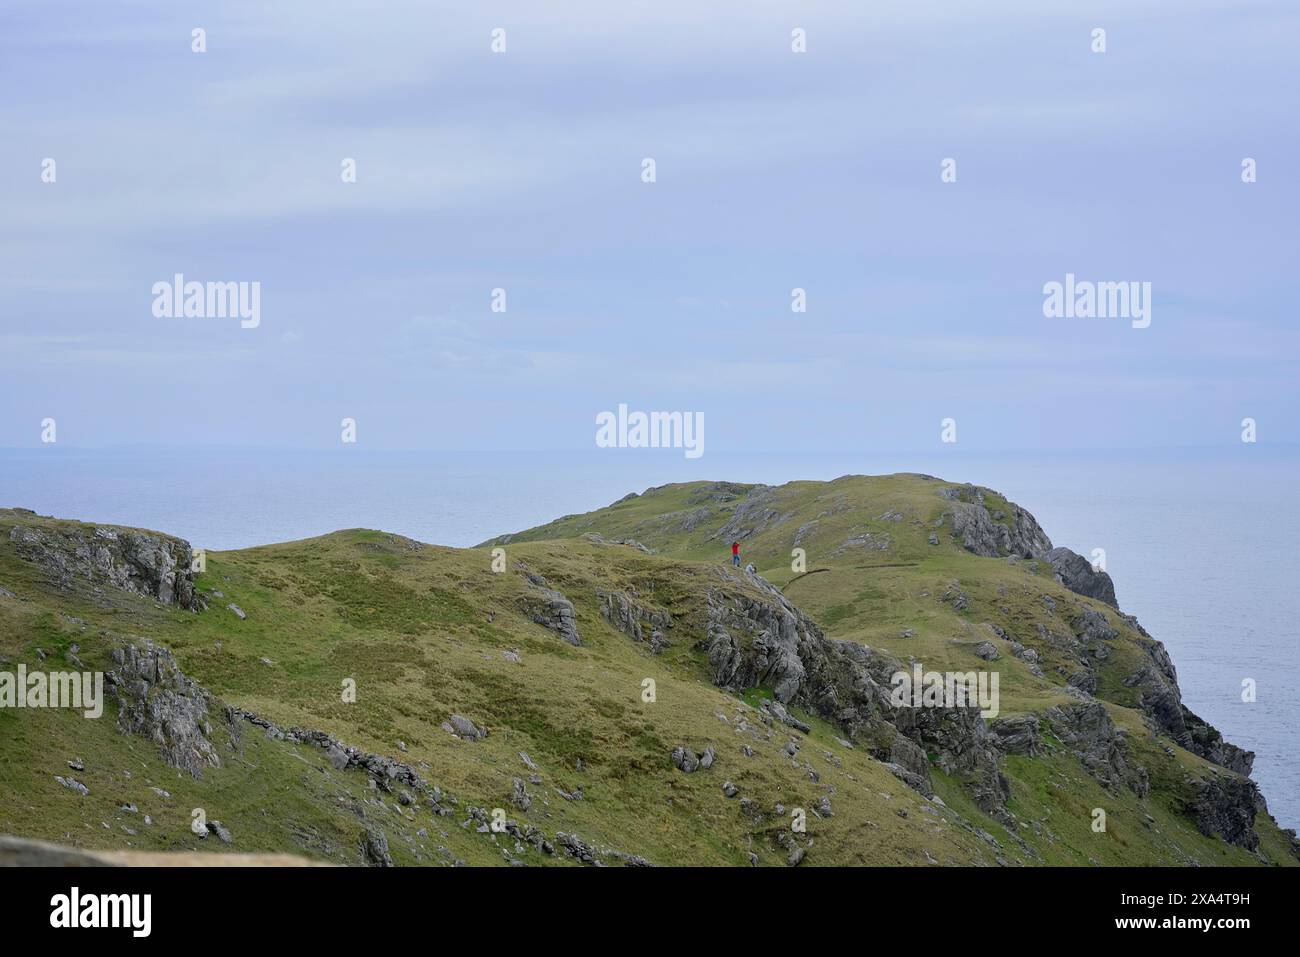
(685, 760)
(463, 727)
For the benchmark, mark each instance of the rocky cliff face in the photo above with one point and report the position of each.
(766, 640)
(1077, 574)
(1014, 532)
(145, 563)
(993, 533)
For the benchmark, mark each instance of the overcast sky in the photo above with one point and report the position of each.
(775, 170)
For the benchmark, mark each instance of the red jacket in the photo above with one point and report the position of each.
(735, 548)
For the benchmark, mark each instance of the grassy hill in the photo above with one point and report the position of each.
(509, 682)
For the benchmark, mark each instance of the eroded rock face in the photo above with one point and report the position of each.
(144, 563)
(1013, 532)
(1077, 574)
(550, 609)
(1017, 735)
(1088, 731)
(752, 642)
(638, 621)
(158, 701)
(1205, 740)
(1016, 533)
(1161, 700)
(1224, 806)
(767, 641)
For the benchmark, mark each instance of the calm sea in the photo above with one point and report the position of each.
(1203, 548)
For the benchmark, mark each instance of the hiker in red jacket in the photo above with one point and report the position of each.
(735, 554)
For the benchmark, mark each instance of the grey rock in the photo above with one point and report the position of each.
(72, 784)
(467, 729)
(1077, 574)
(374, 848)
(638, 621)
(685, 760)
(1088, 731)
(1017, 735)
(777, 710)
(550, 609)
(223, 835)
(144, 563)
(156, 700)
(1224, 805)
(1015, 534)
(239, 613)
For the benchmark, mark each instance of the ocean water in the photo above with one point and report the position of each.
(1202, 547)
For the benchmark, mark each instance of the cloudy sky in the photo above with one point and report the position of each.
(775, 170)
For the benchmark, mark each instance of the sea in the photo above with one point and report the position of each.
(1203, 545)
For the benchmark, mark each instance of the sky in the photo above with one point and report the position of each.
(522, 170)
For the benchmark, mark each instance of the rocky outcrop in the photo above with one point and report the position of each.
(685, 759)
(1088, 731)
(995, 534)
(159, 702)
(638, 621)
(143, 563)
(1161, 700)
(1077, 574)
(464, 728)
(580, 850)
(1017, 735)
(1093, 630)
(1224, 805)
(387, 773)
(1204, 739)
(374, 848)
(629, 542)
(752, 640)
(550, 609)
(755, 513)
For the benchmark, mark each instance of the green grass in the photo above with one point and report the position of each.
(424, 632)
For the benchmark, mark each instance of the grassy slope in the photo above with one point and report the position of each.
(424, 631)
(898, 582)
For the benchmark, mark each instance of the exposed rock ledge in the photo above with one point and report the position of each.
(769, 641)
(144, 563)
